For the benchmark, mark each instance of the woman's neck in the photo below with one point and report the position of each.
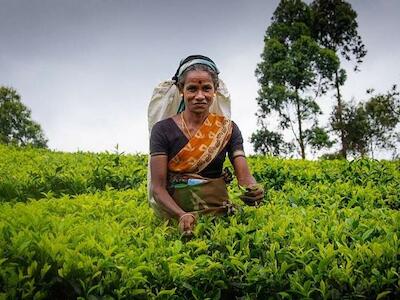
(195, 119)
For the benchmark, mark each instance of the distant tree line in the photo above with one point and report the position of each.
(301, 61)
(16, 125)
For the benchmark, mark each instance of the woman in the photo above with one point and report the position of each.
(188, 151)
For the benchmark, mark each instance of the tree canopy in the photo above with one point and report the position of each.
(371, 125)
(301, 61)
(293, 67)
(335, 27)
(16, 125)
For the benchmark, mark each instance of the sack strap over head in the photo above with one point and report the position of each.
(193, 60)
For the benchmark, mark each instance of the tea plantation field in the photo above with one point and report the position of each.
(77, 225)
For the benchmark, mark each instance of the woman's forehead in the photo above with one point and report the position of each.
(198, 77)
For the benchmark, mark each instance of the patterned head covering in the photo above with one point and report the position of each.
(194, 60)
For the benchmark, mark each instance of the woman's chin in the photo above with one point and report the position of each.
(199, 110)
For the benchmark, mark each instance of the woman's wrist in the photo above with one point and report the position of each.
(180, 214)
(186, 214)
(247, 182)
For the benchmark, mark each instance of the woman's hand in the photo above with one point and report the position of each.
(186, 223)
(252, 194)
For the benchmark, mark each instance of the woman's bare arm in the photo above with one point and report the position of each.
(242, 171)
(253, 193)
(158, 168)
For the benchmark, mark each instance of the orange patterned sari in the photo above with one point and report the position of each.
(203, 147)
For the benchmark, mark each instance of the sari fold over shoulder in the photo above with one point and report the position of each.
(203, 147)
(192, 192)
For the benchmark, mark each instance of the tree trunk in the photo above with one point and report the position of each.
(301, 138)
(343, 151)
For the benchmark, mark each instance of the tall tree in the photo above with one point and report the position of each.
(16, 125)
(335, 27)
(293, 65)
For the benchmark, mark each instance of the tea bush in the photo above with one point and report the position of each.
(322, 233)
(31, 173)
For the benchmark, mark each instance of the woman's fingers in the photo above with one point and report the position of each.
(253, 195)
(186, 222)
(249, 198)
(253, 192)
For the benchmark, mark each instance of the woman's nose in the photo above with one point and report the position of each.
(200, 95)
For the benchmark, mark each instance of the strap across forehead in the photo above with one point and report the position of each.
(198, 61)
(194, 60)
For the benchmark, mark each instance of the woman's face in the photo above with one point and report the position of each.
(198, 91)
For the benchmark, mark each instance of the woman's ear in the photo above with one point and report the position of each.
(180, 92)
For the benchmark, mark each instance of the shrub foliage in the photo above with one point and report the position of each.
(83, 229)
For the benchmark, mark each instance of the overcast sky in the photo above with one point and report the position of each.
(87, 68)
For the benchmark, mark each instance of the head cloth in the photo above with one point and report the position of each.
(194, 60)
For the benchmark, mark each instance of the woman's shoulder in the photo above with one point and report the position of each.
(163, 124)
